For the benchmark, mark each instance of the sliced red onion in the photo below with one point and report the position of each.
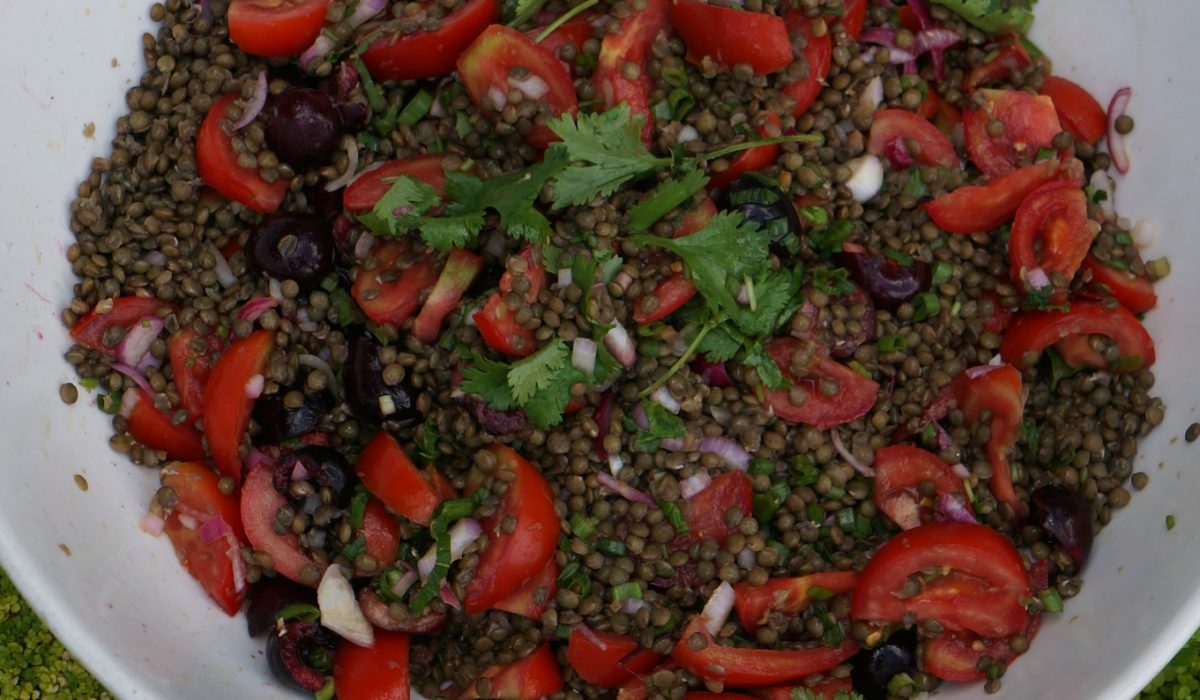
(694, 484)
(136, 343)
(949, 509)
(663, 396)
(531, 86)
(886, 37)
(320, 48)
(446, 593)
(565, 277)
(340, 612)
(351, 172)
(849, 456)
(713, 373)
(583, 354)
(936, 40)
(746, 559)
(961, 471)
(716, 610)
(405, 582)
(463, 533)
(364, 10)
(624, 490)
(1037, 278)
(687, 443)
(980, 370)
(237, 564)
(630, 606)
(257, 458)
(592, 637)
(362, 247)
(615, 464)
(943, 438)
(136, 376)
(255, 308)
(729, 451)
(152, 524)
(898, 155)
(214, 529)
(257, 101)
(619, 343)
(1116, 140)
(155, 257)
(254, 386)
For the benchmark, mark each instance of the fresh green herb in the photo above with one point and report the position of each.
(893, 342)
(614, 548)
(674, 516)
(626, 591)
(914, 186)
(814, 215)
(1039, 299)
(416, 109)
(1052, 602)
(819, 593)
(1170, 521)
(446, 514)
(662, 425)
(832, 281)
(540, 384)
(426, 441)
(462, 124)
(522, 11)
(605, 150)
(929, 434)
(1059, 369)
(762, 466)
(344, 308)
(582, 526)
(1030, 435)
(927, 305)
(805, 472)
(834, 632)
(1123, 238)
(663, 198)
(1045, 153)
(814, 512)
(993, 16)
(358, 507)
(304, 612)
(827, 241)
(899, 256)
(942, 272)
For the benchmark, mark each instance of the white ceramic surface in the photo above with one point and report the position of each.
(121, 602)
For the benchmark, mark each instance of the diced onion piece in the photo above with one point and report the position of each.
(694, 484)
(531, 86)
(351, 171)
(463, 533)
(866, 177)
(624, 490)
(746, 559)
(615, 464)
(687, 133)
(152, 524)
(136, 376)
(387, 405)
(949, 509)
(340, 612)
(255, 308)
(663, 396)
(257, 101)
(565, 277)
(872, 95)
(136, 342)
(729, 451)
(254, 386)
(849, 456)
(619, 343)
(583, 355)
(1116, 140)
(716, 610)
(1037, 278)
(1144, 233)
(497, 97)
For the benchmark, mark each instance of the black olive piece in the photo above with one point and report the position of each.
(268, 597)
(303, 127)
(295, 247)
(301, 656)
(278, 422)
(871, 669)
(889, 283)
(326, 467)
(1067, 516)
(764, 204)
(365, 387)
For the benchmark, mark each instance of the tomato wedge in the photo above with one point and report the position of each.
(510, 558)
(631, 45)
(422, 54)
(461, 268)
(394, 290)
(907, 138)
(388, 473)
(485, 70)
(668, 296)
(381, 532)
(497, 322)
(1000, 317)
(855, 17)
(276, 28)
(1028, 122)
(260, 502)
(218, 165)
(531, 599)
(212, 557)
(379, 672)
(705, 511)
(944, 115)
(198, 494)
(154, 429)
(856, 395)
(367, 189)
(606, 659)
(825, 689)
(571, 33)
(1034, 331)
(983, 590)
(1009, 57)
(1135, 292)
(786, 595)
(123, 312)
(747, 668)
(899, 472)
(818, 54)
(1079, 113)
(730, 36)
(191, 366)
(750, 160)
(979, 208)
(535, 676)
(227, 406)
(1051, 231)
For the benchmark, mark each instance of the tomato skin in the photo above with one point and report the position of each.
(631, 45)
(671, 294)
(1010, 57)
(890, 125)
(260, 502)
(191, 368)
(602, 665)
(988, 583)
(273, 29)
(826, 689)
(748, 668)
(785, 595)
(855, 17)
(226, 406)
(716, 696)
(899, 472)
(484, 67)
(978, 208)
(381, 532)
(531, 599)
(1134, 292)
(1080, 114)
(858, 393)
(376, 673)
(750, 160)
(818, 53)
(430, 54)
(571, 33)
(1056, 215)
(212, 564)
(534, 676)
(218, 166)
(728, 36)
(390, 475)
(197, 493)
(944, 115)
(500, 330)
(367, 189)
(705, 511)
(155, 429)
(396, 300)
(1034, 331)
(535, 272)
(1030, 123)
(955, 656)
(462, 266)
(511, 558)
(124, 312)
(1000, 317)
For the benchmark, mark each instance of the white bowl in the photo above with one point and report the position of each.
(121, 602)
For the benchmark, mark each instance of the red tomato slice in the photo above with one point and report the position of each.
(728, 37)
(785, 595)
(631, 45)
(716, 696)
(985, 597)
(217, 564)
(381, 532)
(955, 656)
(1010, 57)
(500, 330)
(154, 429)
(606, 659)
(856, 396)
(705, 511)
(484, 68)
(461, 268)
(367, 189)
(899, 472)
(1034, 331)
(388, 473)
(825, 689)
(122, 311)
(855, 17)
(1029, 123)
(276, 28)
(979, 208)
(260, 502)
(1135, 292)
(535, 272)
(572, 33)
(191, 368)
(198, 494)
(531, 599)
(696, 218)
(750, 160)
(1051, 231)
(669, 295)
(1080, 114)
(748, 668)
(511, 558)
(944, 115)
(535, 676)
(226, 406)
(422, 54)
(394, 290)
(379, 672)
(900, 129)
(218, 166)
(818, 54)
(1000, 317)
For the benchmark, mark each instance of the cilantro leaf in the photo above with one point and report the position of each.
(523, 11)
(993, 16)
(533, 374)
(545, 408)
(756, 356)
(661, 424)
(489, 379)
(721, 344)
(775, 297)
(663, 198)
(426, 440)
(827, 241)
(606, 151)
(396, 210)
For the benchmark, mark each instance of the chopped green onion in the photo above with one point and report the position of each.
(447, 512)
(674, 516)
(563, 631)
(1123, 238)
(1117, 264)
(806, 472)
(674, 76)
(416, 109)
(568, 571)
(762, 466)
(614, 547)
(89, 383)
(942, 272)
(767, 504)
(899, 256)
(1044, 153)
(846, 518)
(343, 307)
(927, 305)
(814, 215)
(627, 591)
(358, 508)
(1158, 268)
(893, 343)
(835, 492)
(814, 512)
(355, 548)
(681, 103)
(860, 368)
(899, 683)
(1171, 521)
(304, 612)
(327, 691)
(820, 593)
(1126, 363)
(109, 403)
(1051, 600)
(955, 308)
(582, 526)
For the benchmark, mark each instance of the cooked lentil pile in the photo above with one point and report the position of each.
(539, 338)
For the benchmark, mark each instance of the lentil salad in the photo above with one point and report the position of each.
(744, 405)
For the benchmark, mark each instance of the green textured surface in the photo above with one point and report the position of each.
(34, 665)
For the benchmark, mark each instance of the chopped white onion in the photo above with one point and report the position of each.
(663, 396)
(351, 171)
(866, 177)
(630, 606)
(694, 484)
(746, 559)
(565, 277)
(152, 524)
(1037, 278)
(1101, 181)
(221, 268)
(729, 451)
(687, 133)
(615, 464)
(619, 343)
(254, 386)
(497, 97)
(463, 533)
(340, 612)
(716, 610)
(531, 86)
(1144, 233)
(583, 354)
(387, 405)
(961, 471)
(872, 95)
